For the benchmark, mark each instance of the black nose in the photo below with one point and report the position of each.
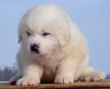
(34, 48)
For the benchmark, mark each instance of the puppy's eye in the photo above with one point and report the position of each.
(46, 34)
(28, 33)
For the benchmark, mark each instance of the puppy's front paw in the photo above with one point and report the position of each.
(64, 79)
(27, 82)
(95, 76)
(14, 79)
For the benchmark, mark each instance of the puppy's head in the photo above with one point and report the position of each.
(44, 30)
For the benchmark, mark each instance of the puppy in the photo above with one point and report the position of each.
(52, 49)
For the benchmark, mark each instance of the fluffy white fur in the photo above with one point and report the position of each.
(63, 56)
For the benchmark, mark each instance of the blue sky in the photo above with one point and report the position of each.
(91, 16)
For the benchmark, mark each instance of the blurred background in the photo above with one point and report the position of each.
(91, 16)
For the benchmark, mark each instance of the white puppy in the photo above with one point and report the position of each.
(52, 48)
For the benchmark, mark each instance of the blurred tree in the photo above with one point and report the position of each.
(108, 76)
(7, 73)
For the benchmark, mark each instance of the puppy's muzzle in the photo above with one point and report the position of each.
(34, 48)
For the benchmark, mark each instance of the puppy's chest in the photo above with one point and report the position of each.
(50, 65)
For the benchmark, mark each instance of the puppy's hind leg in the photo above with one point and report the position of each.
(90, 74)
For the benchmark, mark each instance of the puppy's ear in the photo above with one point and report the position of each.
(19, 39)
(19, 36)
(63, 33)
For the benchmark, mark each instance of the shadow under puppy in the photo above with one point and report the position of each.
(52, 49)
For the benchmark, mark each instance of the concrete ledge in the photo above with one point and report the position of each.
(77, 85)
